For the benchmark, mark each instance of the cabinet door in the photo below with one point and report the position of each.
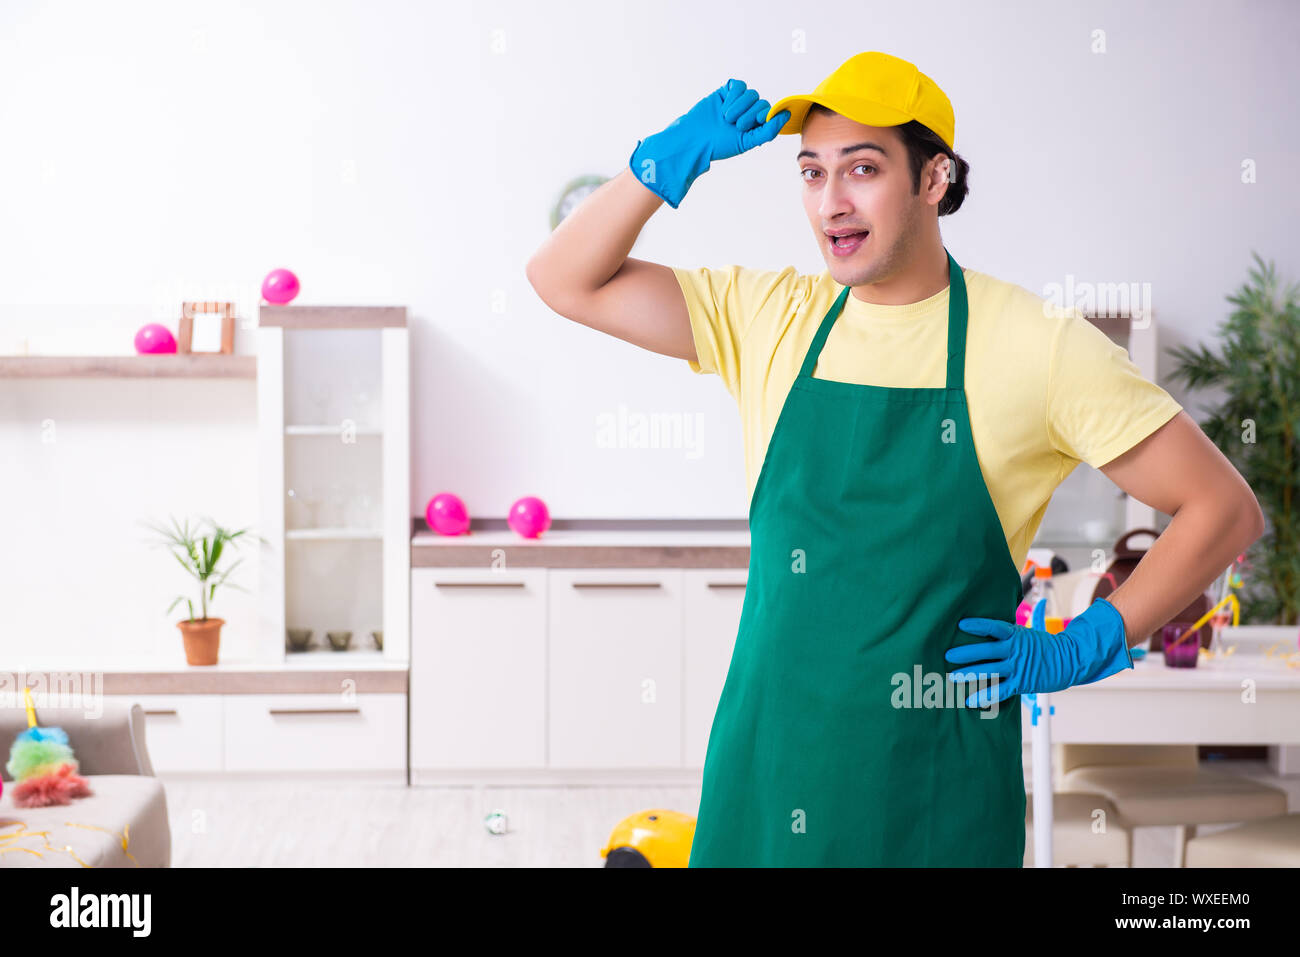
(615, 668)
(182, 732)
(478, 668)
(315, 732)
(714, 598)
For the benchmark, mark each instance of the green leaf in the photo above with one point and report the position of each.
(188, 569)
(1258, 372)
(226, 574)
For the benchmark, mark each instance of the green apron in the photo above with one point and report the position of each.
(838, 740)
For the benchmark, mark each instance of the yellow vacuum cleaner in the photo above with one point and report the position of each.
(654, 838)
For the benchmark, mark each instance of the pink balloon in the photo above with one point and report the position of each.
(154, 339)
(279, 286)
(446, 514)
(529, 516)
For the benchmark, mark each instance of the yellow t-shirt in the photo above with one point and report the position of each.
(1046, 389)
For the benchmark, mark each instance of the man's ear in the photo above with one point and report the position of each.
(939, 174)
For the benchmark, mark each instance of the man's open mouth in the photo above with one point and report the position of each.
(847, 242)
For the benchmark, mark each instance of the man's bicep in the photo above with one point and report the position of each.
(642, 304)
(1172, 465)
(1178, 463)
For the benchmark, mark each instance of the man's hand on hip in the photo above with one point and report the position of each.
(1030, 660)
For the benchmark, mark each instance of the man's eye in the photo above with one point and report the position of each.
(804, 173)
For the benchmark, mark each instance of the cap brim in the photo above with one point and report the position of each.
(867, 112)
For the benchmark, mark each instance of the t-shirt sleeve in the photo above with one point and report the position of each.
(723, 304)
(1098, 404)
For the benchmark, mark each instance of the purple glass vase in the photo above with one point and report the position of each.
(1183, 654)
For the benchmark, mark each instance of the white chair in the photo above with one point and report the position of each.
(1086, 832)
(1266, 842)
(1163, 786)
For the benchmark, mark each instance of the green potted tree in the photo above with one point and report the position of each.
(199, 556)
(1257, 426)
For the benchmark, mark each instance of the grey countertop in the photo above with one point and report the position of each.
(589, 543)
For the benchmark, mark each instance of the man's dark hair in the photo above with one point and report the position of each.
(922, 144)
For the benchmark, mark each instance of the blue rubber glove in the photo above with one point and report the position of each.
(725, 123)
(1030, 660)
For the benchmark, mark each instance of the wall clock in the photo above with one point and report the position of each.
(574, 193)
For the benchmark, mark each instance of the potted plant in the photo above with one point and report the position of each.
(199, 557)
(1257, 426)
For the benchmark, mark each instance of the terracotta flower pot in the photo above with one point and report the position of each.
(202, 636)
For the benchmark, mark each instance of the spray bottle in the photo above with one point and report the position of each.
(1041, 589)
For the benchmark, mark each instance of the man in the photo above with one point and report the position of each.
(912, 420)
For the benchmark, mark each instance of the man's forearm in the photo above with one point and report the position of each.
(592, 243)
(1203, 539)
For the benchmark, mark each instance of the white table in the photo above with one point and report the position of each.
(1245, 698)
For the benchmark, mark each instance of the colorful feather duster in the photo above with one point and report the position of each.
(43, 766)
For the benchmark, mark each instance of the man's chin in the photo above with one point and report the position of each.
(848, 274)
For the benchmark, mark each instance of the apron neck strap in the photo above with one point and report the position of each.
(957, 312)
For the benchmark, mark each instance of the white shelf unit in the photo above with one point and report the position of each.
(334, 445)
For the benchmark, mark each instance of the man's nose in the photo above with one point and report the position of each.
(836, 200)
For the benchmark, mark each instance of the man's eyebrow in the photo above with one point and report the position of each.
(846, 150)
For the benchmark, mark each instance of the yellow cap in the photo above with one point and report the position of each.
(875, 89)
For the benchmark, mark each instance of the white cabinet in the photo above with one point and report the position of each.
(212, 733)
(568, 669)
(334, 448)
(182, 732)
(714, 599)
(615, 668)
(315, 732)
(478, 668)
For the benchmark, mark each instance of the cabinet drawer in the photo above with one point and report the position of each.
(182, 732)
(615, 668)
(315, 732)
(478, 668)
(714, 599)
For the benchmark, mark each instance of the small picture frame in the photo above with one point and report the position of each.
(207, 327)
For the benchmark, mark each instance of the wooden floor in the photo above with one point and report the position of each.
(220, 823)
(325, 825)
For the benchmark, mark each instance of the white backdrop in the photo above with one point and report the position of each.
(409, 153)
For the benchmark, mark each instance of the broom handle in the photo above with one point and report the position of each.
(31, 712)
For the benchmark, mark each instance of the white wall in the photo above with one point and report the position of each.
(410, 152)
(84, 463)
